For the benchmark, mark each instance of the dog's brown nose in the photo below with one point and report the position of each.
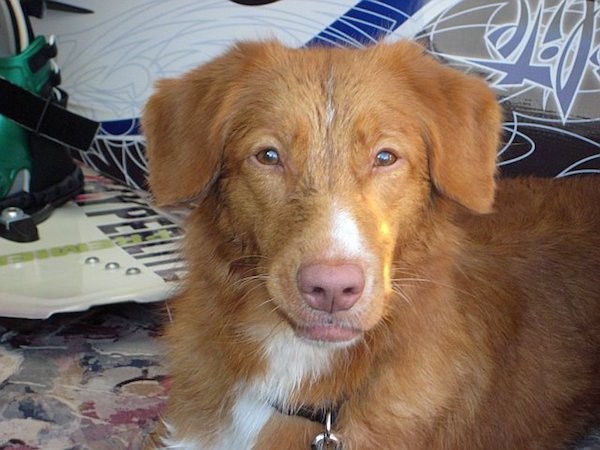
(331, 288)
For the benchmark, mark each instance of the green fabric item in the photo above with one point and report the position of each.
(15, 159)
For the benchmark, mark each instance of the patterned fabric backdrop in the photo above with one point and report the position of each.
(541, 57)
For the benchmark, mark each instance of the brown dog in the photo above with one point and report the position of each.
(346, 257)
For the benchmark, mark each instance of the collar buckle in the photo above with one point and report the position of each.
(326, 440)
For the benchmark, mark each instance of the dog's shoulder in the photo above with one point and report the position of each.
(537, 255)
(533, 210)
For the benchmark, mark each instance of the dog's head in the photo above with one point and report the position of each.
(326, 162)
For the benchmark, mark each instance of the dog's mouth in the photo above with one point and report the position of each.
(328, 333)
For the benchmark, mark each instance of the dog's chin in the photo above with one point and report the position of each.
(328, 333)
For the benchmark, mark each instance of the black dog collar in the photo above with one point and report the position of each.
(318, 415)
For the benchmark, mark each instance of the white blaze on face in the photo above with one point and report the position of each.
(329, 105)
(346, 238)
(347, 242)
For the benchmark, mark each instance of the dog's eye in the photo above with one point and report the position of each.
(268, 156)
(385, 158)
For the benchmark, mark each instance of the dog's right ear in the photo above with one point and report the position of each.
(183, 123)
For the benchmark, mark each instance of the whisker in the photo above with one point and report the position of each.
(249, 279)
(251, 256)
(418, 279)
(251, 290)
(404, 296)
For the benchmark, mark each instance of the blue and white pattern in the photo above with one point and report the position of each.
(541, 56)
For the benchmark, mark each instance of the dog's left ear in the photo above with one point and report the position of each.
(462, 121)
(465, 139)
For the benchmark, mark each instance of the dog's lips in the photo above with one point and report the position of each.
(328, 333)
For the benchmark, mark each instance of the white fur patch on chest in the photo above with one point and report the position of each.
(249, 415)
(290, 362)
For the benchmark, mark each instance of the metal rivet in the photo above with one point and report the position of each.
(111, 265)
(133, 271)
(11, 213)
(92, 260)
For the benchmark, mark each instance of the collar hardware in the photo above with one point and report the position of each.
(326, 440)
(327, 416)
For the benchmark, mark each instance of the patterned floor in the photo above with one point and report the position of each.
(93, 380)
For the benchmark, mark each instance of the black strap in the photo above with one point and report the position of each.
(37, 8)
(318, 415)
(42, 56)
(46, 117)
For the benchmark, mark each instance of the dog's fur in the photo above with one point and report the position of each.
(479, 323)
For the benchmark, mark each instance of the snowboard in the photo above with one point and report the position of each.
(108, 245)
